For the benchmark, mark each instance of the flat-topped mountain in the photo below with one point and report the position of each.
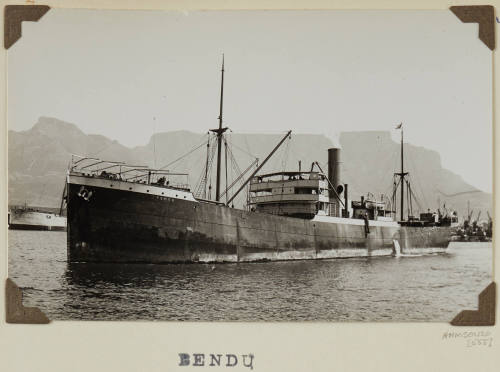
(38, 160)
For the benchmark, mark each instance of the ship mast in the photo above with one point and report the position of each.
(402, 174)
(220, 132)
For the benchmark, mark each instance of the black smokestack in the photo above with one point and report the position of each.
(334, 175)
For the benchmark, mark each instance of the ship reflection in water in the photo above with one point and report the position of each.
(417, 288)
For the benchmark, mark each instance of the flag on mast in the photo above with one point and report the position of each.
(399, 125)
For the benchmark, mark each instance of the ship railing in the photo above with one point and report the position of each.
(120, 171)
(294, 176)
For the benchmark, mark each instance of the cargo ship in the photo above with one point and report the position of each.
(127, 213)
(26, 218)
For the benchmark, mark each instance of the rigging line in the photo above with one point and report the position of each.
(246, 143)
(389, 170)
(421, 189)
(233, 162)
(212, 156)
(231, 158)
(388, 190)
(260, 131)
(394, 197)
(241, 173)
(396, 187)
(277, 162)
(416, 200)
(412, 198)
(234, 182)
(236, 171)
(185, 155)
(415, 194)
(237, 167)
(211, 162)
(241, 149)
(239, 179)
(204, 176)
(231, 155)
(228, 159)
(191, 163)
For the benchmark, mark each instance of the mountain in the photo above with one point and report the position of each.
(38, 159)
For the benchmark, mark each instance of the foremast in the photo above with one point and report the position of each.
(219, 132)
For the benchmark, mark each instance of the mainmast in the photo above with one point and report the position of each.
(402, 176)
(220, 132)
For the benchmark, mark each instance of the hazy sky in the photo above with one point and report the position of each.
(112, 72)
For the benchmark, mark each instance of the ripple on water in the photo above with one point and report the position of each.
(425, 288)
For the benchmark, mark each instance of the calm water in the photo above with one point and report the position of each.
(421, 288)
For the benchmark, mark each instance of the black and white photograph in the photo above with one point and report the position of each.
(253, 166)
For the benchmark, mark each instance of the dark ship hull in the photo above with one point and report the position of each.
(124, 213)
(125, 222)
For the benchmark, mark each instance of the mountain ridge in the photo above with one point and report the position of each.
(39, 156)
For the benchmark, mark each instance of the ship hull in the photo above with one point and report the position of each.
(33, 220)
(121, 224)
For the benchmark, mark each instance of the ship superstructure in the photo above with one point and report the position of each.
(120, 213)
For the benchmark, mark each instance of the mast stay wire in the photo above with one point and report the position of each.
(235, 168)
(210, 164)
(415, 198)
(241, 149)
(418, 179)
(204, 143)
(202, 180)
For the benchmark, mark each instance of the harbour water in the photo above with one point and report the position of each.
(406, 288)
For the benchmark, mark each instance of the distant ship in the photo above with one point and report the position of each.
(126, 213)
(473, 231)
(26, 218)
